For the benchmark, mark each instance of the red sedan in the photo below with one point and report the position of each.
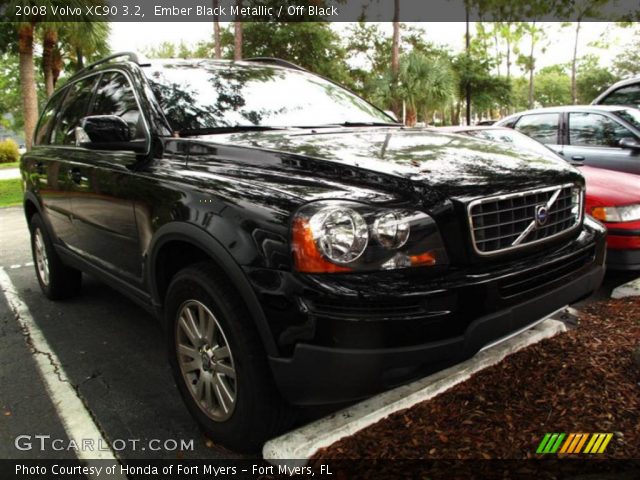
(612, 197)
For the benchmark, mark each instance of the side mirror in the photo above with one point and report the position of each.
(107, 132)
(630, 143)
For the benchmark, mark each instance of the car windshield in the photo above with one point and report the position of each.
(514, 138)
(208, 97)
(630, 115)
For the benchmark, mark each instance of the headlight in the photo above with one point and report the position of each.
(342, 236)
(391, 230)
(627, 213)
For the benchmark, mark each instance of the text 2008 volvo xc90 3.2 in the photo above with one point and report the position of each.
(300, 247)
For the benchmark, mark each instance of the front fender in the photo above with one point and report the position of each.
(189, 233)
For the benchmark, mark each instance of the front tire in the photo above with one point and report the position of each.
(219, 363)
(57, 280)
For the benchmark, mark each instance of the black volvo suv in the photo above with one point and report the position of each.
(299, 246)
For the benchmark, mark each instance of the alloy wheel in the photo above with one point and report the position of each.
(205, 360)
(42, 260)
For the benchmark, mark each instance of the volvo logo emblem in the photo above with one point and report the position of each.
(542, 215)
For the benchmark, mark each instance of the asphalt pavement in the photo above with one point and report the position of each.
(113, 354)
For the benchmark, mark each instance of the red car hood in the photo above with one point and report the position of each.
(609, 188)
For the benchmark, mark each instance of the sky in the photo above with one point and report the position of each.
(558, 47)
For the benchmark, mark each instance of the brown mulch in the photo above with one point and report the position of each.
(580, 381)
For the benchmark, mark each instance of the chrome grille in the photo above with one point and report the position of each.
(507, 222)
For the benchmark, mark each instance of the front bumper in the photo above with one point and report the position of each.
(623, 249)
(345, 337)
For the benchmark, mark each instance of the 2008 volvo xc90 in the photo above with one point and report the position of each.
(299, 246)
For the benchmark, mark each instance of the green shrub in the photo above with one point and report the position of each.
(9, 151)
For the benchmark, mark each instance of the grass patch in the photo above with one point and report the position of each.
(10, 192)
(9, 165)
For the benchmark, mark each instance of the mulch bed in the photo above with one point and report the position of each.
(580, 381)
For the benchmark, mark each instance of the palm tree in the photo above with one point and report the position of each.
(49, 44)
(84, 40)
(426, 84)
(26, 32)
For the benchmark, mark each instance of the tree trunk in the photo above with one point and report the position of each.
(58, 65)
(574, 86)
(412, 116)
(395, 57)
(508, 60)
(48, 45)
(79, 59)
(395, 46)
(531, 65)
(237, 51)
(217, 50)
(28, 82)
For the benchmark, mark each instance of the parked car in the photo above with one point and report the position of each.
(625, 92)
(299, 246)
(601, 136)
(611, 197)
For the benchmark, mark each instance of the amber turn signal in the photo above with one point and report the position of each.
(306, 255)
(424, 259)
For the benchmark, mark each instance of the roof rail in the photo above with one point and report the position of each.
(275, 61)
(133, 57)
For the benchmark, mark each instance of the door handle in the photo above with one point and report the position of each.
(76, 175)
(578, 158)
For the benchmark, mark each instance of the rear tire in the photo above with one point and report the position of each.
(219, 362)
(57, 280)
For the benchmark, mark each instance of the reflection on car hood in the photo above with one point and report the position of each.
(455, 165)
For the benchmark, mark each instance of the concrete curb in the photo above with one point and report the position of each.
(630, 289)
(296, 447)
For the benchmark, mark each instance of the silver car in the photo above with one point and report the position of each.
(604, 136)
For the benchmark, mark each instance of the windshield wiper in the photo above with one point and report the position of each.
(363, 124)
(229, 129)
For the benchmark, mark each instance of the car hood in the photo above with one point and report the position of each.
(438, 164)
(610, 188)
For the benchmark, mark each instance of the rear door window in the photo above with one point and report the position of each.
(596, 130)
(629, 95)
(115, 96)
(42, 136)
(73, 109)
(541, 126)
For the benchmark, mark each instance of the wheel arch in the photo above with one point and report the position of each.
(205, 247)
(31, 206)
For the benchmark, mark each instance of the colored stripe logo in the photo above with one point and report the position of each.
(574, 443)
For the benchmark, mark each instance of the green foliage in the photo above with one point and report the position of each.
(627, 64)
(553, 86)
(425, 83)
(9, 152)
(11, 103)
(488, 91)
(312, 45)
(592, 79)
(81, 43)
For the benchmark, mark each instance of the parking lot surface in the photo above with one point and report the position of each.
(113, 354)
